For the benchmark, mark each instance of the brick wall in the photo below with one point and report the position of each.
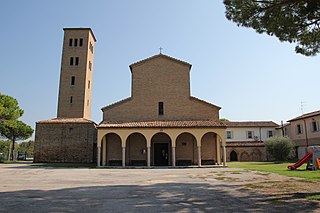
(161, 80)
(59, 142)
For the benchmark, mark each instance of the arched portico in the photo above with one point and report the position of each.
(136, 150)
(209, 149)
(186, 149)
(161, 149)
(111, 150)
(144, 141)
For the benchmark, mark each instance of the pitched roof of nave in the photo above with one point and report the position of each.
(162, 124)
(129, 98)
(158, 56)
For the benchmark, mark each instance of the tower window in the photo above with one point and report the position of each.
(70, 42)
(73, 79)
(89, 84)
(77, 61)
(87, 102)
(91, 47)
(161, 110)
(75, 42)
(90, 65)
(80, 42)
(71, 99)
(71, 61)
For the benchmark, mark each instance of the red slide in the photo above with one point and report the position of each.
(301, 161)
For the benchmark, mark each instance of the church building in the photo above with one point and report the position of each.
(160, 124)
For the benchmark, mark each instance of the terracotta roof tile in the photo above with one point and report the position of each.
(307, 115)
(162, 124)
(245, 144)
(67, 120)
(250, 124)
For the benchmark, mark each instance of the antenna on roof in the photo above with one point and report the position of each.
(302, 104)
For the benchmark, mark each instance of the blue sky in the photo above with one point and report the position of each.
(251, 76)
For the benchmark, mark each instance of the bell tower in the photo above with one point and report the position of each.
(75, 89)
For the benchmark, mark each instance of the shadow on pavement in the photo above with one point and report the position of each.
(161, 197)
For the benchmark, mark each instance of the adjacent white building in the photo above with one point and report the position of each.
(245, 140)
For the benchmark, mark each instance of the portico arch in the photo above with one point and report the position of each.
(161, 149)
(186, 149)
(113, 149)
(209, 149)
(136, 150)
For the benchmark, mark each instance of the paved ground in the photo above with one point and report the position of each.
(25, 188)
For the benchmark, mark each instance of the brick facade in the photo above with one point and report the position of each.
(73, 142)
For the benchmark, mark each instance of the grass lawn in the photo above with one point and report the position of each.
(279, 168)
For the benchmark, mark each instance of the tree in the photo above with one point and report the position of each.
(15, 130)
(296, 21)
(26, 147)
(224, 120)
(9, 108)
(281, 148)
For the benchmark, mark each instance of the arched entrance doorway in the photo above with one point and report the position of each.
(209, 149)
(161, 149)
(186, 149)
(113, 150)
(136, 150)
(233, 156)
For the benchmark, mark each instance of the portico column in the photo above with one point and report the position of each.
(224, 155)
(99, 155)
(218, 147)
(173, 156)
(123, 156)
(148, 156)
(199, 156)
(104, 151)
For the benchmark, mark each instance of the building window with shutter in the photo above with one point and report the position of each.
(229, 134)
(299, 129)
(250, 134)
(314, 126)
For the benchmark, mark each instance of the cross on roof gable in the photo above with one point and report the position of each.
(159, 56)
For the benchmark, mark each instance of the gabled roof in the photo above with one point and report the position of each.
(307, 115)
(202, 101)
(158, 56)
(250, 124)
(116, 103)
(162, 124)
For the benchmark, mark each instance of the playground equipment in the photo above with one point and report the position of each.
(314, 153)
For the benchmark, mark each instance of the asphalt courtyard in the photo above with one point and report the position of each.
(26, 188)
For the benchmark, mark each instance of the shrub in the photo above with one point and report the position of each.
(280, 148)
